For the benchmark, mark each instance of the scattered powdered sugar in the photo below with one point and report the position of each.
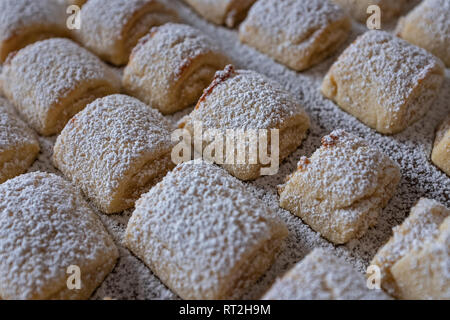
(321, 275)
(15, 15)
(411, 149)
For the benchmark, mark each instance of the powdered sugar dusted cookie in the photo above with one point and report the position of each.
(428, 26)
(228, 12)
(322, 276)
(115, 150)
(340, 191)
(384, 81)
(18, 143)
(242, 101)
(296, 33)
(418, 243)
(358, 8)
(203, 234)
(171, 66)
(51, 80)
(441, 150)
(23, 22)
(46, 227)
(424, 274)
(112, 28)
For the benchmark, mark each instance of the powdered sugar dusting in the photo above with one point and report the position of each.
(411, 149)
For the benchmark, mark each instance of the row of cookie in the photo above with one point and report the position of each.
(46, 226)
(380, 79)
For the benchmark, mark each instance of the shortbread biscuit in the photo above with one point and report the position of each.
(340, 191)
(112, 28)
(51, 80)
(115, 150)
(45, 228)
(171, 66)
(358, 8)
(298, 34)
(18, 143)
(23, 22)
(322, 276)
(385, 82)
(222, 12)
(203, 234)
(242, 100)
(441, 149)
(428, 26)
(424, 274)
(415, 237)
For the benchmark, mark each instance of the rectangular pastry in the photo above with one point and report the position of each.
(51, 80)
(322, 276)
(296, 33)
(203, 234)
(428, 26)
(46, 229)
(171, 66)
(115, 150)
(19, 146)
(341, 189)
(112, 28)
(242, 101)
(384, 81)
(23, 22)
(419, 248)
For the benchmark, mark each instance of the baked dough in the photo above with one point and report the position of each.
(18, 143)
(384, 81)
(418, 243)
(222, 12)
(51, 80)
(114, 151)
(423, 274)
(23, 22)
(246, 100)
(203, 234)
(112, 28)
(171, 66)
(298, 34)
(322, 276)
(340, 191)
(45, 227)
(358, 8)
(441, 150)
(428, 26)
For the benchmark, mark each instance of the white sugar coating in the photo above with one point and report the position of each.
(293, 22)
(255, 102)
(171, 47)
(45, 73)
(391, 65)
(199, 224)
(46, 226)
(411, 149)
(421, 226)
(18, 14)
(13, 130)
(321, 275)
(101, 146)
